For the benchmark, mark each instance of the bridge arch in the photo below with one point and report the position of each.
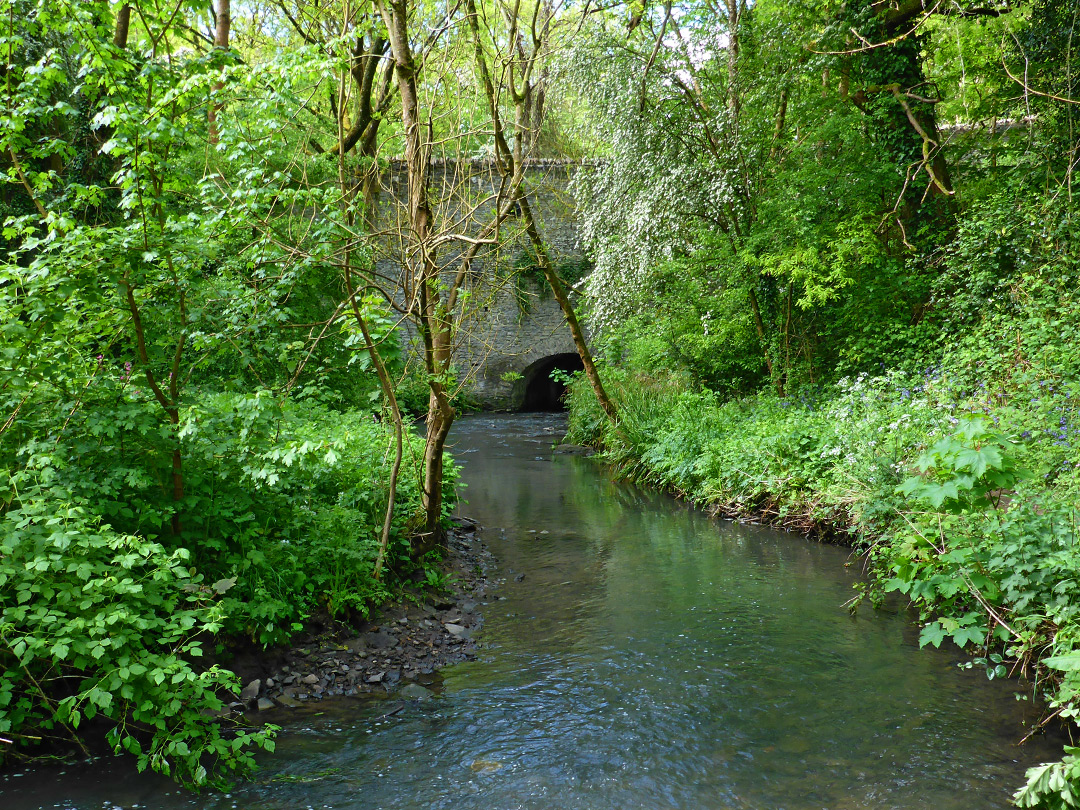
(536, 390)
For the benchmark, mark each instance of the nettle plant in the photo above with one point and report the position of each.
(942, 556)
(966, 472)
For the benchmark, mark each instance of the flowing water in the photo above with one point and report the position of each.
(650, 658)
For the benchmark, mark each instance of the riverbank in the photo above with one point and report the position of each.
(961, 497)
(399, 648)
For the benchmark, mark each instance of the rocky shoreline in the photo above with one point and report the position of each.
(398, 650)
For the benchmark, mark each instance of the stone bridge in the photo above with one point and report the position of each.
(513, 333)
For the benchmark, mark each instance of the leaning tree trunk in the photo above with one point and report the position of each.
(348, 201)
(510, 162)
(559, 291)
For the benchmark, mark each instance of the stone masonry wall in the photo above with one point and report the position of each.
(508, 326)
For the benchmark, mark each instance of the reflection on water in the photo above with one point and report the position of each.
(650, 658)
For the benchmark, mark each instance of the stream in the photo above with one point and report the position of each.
(651, 657)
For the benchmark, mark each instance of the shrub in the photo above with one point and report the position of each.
(103, 629)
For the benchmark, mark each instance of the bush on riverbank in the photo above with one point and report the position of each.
(194, 442)
(102, 631)
(917, 395)
(107, 611)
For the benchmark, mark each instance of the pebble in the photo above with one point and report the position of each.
(380, 641)
(251, 691)
(485, 766)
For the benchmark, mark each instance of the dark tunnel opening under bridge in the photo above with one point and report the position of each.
(537, 390)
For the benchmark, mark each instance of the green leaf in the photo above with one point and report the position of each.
(932, 633)
(1066, 662)
(223, 585)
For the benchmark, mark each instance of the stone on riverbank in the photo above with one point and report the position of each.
(251, 691)
(414, 691)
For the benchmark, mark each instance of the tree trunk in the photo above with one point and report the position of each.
(510, 167)
(348, 199)
(223, 22)
(759, 325)
(781, 122)
(435, 330)
(440, 419)
(733, 60)
(177, 473)
(387, 386)
(559, 291)
(123, 24)
(169, 402)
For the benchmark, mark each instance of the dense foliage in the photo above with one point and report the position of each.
(195, 449)
(837, 264)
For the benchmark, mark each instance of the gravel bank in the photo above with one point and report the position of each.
(402, 643)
